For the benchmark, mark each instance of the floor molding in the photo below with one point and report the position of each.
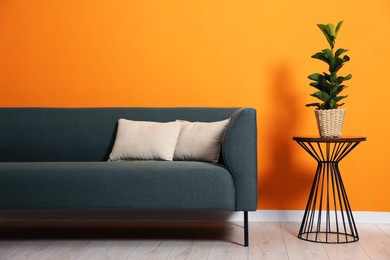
(297, 215)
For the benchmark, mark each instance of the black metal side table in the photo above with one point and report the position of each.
(328, 215)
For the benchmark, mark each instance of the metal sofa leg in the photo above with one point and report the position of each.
(246, 242)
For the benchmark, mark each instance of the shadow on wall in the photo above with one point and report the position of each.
(284, 185)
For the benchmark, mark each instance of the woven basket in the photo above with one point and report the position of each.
(330, 122)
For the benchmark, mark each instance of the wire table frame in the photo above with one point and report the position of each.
(328, 216)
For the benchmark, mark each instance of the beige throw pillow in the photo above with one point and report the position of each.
(143, 140)
(200, 141)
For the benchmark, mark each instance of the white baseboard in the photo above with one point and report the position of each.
(259, 215)
(297, 215)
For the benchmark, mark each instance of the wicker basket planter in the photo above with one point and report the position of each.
(330, 122)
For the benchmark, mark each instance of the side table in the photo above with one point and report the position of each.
(328, 215)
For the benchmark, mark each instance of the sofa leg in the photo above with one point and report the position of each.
(246, 242)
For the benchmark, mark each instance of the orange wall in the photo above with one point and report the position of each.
(69, 53)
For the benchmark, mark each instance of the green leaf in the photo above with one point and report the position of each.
(318, 86)
(336, 65)
(327, 76)
(338, 27)
(340, 79)
(329, 53)
(315, 76)
(331, 29)
(333, 77)
(321, 95)
(321, 56)
(340, 51)
(340, 98)
(315, 84)
(333, 88)
(328, 37)
(341, 88)
(313, 105)
(323, 84)
(332, 104)
(346, 58)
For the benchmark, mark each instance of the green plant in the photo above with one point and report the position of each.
(329, 85)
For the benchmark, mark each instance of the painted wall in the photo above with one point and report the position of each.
(69, 53)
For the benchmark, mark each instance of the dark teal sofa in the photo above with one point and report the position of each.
(56, 159)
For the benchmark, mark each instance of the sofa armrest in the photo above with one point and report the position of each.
(239, 151)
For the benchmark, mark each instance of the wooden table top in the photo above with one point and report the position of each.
(329, 139)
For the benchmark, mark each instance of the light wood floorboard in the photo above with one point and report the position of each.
(374, 241)
(385, 228)
(180, 240)
(300, 249)
(228, 241)
(266, 241)
(195, 242)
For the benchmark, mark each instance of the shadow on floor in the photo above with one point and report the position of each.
(117, 230)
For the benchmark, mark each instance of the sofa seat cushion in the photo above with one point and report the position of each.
(142, 185)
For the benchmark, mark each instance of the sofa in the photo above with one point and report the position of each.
(58, 159)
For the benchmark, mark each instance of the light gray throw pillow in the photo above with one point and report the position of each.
(200, 141)
(143, 140)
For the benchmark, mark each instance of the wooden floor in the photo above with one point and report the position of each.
(180, 240)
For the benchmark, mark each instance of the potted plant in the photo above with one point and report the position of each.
(329, 85)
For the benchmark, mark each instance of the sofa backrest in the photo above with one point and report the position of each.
(79, 134)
